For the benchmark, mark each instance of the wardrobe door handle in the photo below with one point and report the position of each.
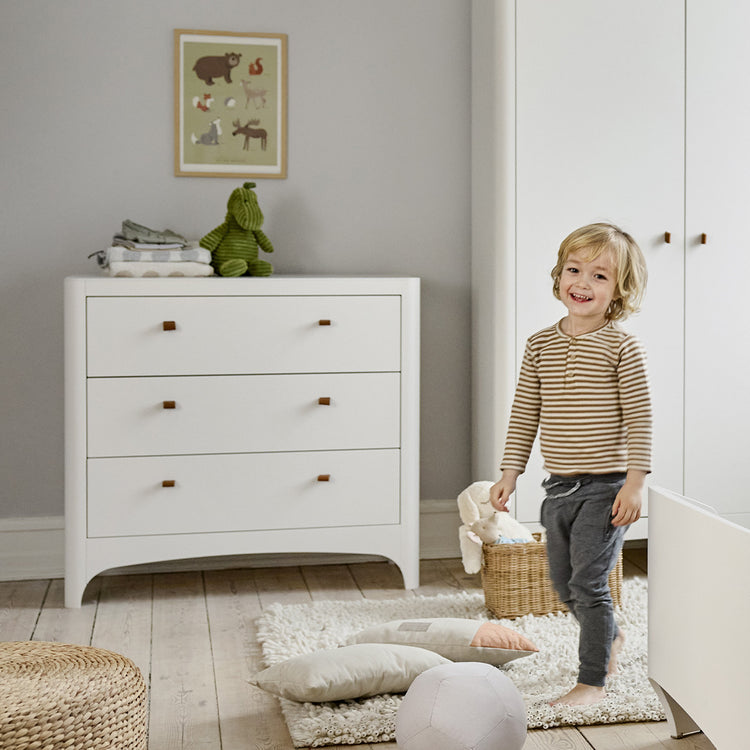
(168, 483)
(169, 325)
(324, 400)
(324, 322)
(324, 477)
(668, 237)
(704, 238)
(169, 404)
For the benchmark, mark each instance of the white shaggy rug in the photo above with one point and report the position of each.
(289, 630)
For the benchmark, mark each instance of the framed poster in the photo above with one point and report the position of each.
(230, 104)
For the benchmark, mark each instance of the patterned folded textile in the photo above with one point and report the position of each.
(139, 233)
(155, 268)
(119, 253)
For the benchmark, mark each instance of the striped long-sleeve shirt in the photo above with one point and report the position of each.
(588, 396)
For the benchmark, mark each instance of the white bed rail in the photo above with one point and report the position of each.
(699, 616)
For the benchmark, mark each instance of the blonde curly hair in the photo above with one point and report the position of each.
(632, 275)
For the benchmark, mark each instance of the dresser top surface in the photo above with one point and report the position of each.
(97, 284)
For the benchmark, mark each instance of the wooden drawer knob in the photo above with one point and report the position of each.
(169, 325)
(704, 238)
(324, 477)
(169, 404)
(324, 400)
(668, 237)
(168, 483)
(324, 322)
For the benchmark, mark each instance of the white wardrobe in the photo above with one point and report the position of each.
(635, 113)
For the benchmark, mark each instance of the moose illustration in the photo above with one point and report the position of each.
(250, 132)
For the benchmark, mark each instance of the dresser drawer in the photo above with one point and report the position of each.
(242, 413)
(242, 492)
(235, 335)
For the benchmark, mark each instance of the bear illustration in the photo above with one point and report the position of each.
(215, 66)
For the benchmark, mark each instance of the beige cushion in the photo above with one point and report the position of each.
(454, 638)
(354, 671)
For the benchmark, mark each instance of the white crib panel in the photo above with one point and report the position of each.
(699, 607)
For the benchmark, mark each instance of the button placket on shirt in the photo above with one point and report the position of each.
(570, 363)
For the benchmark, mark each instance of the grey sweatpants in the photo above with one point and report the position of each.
(582, 549)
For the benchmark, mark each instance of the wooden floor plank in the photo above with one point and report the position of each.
(183, 713)
(465, 581)
(248, 716)
(435, 579)
(629, 569)
(20, 603)
(642, 736)
(62, 625)
(281, 585)
(380, 580)
(638, 556)
(559, 738)
(124, 618)
(330, 582)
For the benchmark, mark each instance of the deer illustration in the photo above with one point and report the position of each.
(250, 132)
(254, 94)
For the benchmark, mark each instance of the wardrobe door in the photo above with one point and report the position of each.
(717, 394)
(600, 123)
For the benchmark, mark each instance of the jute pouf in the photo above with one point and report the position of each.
(55, 696)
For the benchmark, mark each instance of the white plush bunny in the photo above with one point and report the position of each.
(482, 523)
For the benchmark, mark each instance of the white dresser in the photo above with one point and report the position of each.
(230, 416)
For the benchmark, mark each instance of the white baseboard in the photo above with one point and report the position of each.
(32, 548)
(438, 529)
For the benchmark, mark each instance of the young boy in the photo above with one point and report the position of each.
(584, 386)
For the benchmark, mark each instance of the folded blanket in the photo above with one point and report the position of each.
(139, 233)
(118, 239)
(118, 253)
(154, 268)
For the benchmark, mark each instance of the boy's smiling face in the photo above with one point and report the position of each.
(587, 287)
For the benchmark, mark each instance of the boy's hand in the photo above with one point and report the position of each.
(501, 491)
(627, 506)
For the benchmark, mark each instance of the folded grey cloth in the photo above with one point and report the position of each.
(139, 233)
(119, 240)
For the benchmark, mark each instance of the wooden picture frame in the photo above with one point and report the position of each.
(230, 104)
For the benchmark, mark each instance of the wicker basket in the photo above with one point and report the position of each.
(515, 579)
(56, 696)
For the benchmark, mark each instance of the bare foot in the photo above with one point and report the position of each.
(581, 695)
(617, 645)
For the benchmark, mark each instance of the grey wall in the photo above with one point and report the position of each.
(378, 182)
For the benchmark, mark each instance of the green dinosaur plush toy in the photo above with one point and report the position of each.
(234, 244)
